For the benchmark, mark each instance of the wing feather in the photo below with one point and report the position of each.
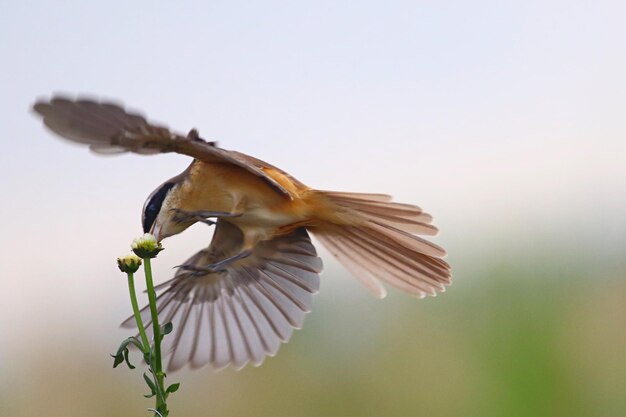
(107, 128)
(240, 315)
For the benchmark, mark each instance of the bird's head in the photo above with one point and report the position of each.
(159, 210)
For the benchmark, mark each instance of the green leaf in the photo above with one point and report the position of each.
(173, 387)
(131, 340)
(167, 329)
(151, 356)
(117, 359)
(126, 359)
(153, 389)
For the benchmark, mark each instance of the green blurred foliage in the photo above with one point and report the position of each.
(542, 337)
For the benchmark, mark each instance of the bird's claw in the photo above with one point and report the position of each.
(181, 216)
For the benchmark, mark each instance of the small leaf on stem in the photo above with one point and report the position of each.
(117, 359)
(167, 329)
(173, 388)
(126, 342)
(126, 359)
(153, 389)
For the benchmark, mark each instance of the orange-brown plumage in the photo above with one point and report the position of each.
(252, 285)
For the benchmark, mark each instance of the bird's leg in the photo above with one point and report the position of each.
(217, 266)
(182, 216)
(200, 216)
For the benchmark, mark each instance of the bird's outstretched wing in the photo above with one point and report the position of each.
(107, 128)
(242, 314)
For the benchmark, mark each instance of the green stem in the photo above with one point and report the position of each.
(138, 320)
(161, 406)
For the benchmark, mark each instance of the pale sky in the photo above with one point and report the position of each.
(502, 119)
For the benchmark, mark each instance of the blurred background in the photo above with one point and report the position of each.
(505, 120)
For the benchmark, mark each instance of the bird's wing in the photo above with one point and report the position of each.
(240, 315)
(107, 128)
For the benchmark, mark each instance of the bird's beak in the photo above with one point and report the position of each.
(156, 232)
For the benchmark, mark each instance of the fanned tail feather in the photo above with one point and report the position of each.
(381, 245)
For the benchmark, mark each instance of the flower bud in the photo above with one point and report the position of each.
(146, 246)
(129, 263)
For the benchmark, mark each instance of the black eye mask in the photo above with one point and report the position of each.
(151, 211)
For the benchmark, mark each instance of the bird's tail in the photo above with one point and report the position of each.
(376, 240)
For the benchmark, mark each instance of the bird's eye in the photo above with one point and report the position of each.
(153, 205)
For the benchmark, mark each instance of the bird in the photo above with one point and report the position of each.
(235, 301)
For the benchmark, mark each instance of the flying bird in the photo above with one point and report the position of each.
(235, 301)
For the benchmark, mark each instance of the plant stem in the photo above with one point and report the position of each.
(156, 363)
(138, 320)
